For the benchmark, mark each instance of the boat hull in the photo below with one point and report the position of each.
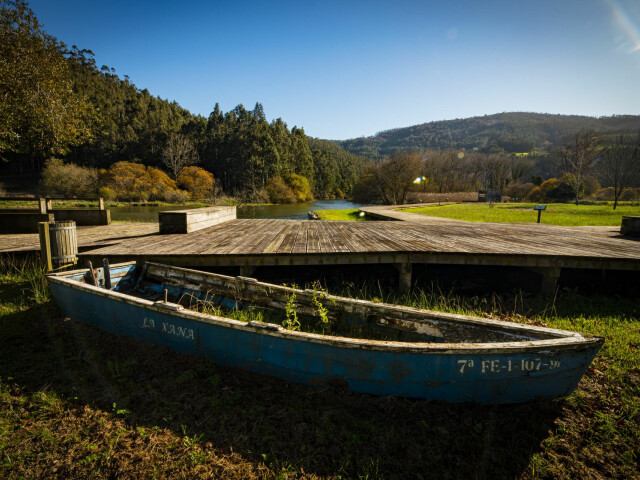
(462, 373)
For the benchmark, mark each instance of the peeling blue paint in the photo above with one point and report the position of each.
(437, 370)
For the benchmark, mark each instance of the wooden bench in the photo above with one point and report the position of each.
(191, 220)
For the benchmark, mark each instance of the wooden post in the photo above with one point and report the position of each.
(550, 278)
(43, 206)
(93, 277)
(101, 204)
(49, 204)
(539, 215)
(45, 245)
(404, 281)
(107, 273)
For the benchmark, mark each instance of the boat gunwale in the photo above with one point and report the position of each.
(566, 340)
(388, 307)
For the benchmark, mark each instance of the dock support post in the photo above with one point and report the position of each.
(550, 276)
(42, 206)
(550, 281)
(404, 271)
(45, 244)
(101, 203)
(247, 270)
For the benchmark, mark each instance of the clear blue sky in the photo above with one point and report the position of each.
(344, 69)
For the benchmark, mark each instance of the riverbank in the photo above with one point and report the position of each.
(555, 214)
(352, 214)
(148, 211)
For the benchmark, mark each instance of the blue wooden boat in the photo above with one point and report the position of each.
(391, 350)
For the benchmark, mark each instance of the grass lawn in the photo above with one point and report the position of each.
(76, 402)
(555, 214)
(347, 214)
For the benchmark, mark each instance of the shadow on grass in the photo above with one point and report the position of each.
(324, 432)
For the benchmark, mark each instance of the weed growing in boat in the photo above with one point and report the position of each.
(291, 322)
(321, 311)
(207, 306)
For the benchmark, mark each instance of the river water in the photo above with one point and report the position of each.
(287, 210)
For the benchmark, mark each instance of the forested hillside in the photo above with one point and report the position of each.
(57, 102)
(335, 170)
(513, 132)
(127, 123)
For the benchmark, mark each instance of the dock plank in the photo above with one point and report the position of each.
(300, 242)
(335, 231)
(313, 238)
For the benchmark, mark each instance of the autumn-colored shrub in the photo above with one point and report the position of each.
(133, 181)
(279, 191)
(69, 179)
(197, 182)
(128, 180)
(107, 193)
(563, 189)
(161, 187)
(536, 195)
(300, 187)
(548, 184)
(549, 190)
(176, 196)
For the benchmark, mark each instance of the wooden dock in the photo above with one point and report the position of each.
(416, 239)
(248, 244)
(88, 237)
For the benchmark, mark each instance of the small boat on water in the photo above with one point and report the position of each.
(364, 346)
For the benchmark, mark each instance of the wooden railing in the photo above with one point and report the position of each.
(44, 201)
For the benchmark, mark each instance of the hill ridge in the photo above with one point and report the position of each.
(506, 131)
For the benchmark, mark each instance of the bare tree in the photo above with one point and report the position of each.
(619, 164)
(395, 176)
(450, 170)
(520, 167)
(179, 153)
(496, 172)
(578, 158)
